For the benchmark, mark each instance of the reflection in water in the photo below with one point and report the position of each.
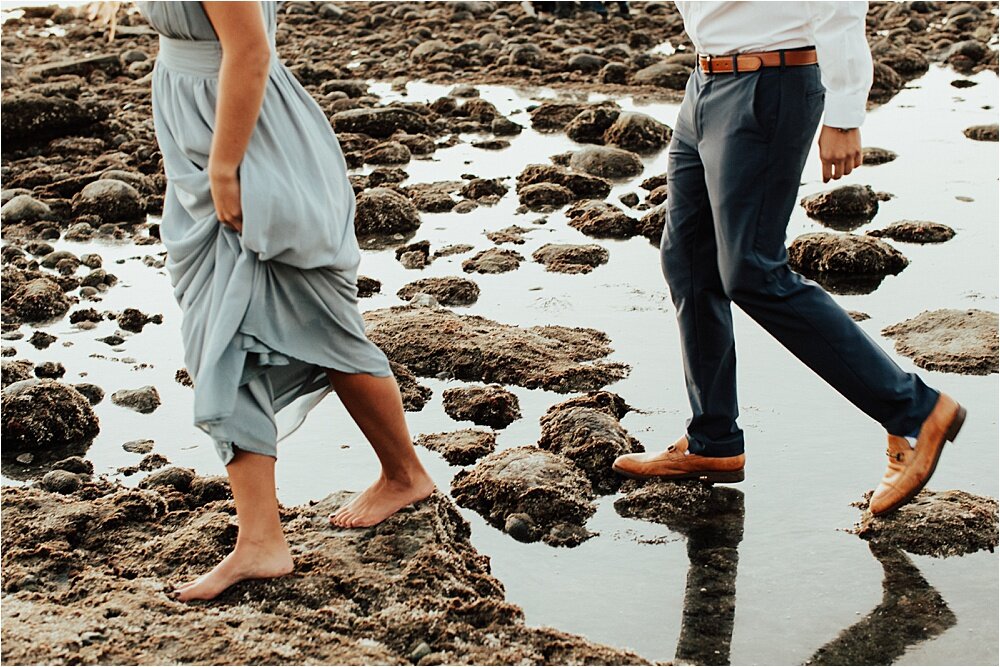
(712, 520)
(911, 611)
(710, 594)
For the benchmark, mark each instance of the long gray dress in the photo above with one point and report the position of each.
(265, 310)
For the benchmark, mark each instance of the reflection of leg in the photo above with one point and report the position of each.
(376, 406)
(910, 612)
(710, 595)
(689, 258)
(261, 550)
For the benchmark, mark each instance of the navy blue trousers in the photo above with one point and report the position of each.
(734, 164)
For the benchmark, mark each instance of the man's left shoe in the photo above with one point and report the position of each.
(677, 463)
(911, 467)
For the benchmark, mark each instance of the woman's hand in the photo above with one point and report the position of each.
(225, 184)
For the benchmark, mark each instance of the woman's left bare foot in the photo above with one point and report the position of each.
(381, 500)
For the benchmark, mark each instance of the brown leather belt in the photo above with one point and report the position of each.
(749, 62)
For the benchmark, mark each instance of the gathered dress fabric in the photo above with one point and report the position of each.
(268, 309)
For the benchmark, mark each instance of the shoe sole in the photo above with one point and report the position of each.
(707, 476)
(949, 436)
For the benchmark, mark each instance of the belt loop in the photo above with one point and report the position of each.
(710, 64)
(736, 67)
(781, 55)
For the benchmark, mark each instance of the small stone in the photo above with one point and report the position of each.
(144, 399)
(491, 405)
(138, 446)
(60, 481)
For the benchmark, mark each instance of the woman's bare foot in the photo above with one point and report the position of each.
(244, 562)
(381, 500)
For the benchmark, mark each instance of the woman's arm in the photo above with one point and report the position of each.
(246, 60)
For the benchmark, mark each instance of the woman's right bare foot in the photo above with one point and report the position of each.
(244, 562)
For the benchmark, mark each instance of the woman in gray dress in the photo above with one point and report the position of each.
(258, 223)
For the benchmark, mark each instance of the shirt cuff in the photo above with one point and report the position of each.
(845, 109)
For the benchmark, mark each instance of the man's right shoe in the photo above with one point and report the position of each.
(676, 463)
(910, 468)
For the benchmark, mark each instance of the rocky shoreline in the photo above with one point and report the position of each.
(80, 163)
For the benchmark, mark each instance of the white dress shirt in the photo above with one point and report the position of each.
(836, 29)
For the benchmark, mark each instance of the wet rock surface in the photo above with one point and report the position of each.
(493, 260)
(591, 437)
(356, 596)
(38, 300)
(491, 405)
(433, 341)
(448, 290)
(915, 231)
(846, 207)
(414, 394)
(144, 399)
(384, 211)
(983, 132)
(601, 220)
(47, 419)
(935, 523)
(462, 447)
(569, 258)
(845, 263)
(953, 341)
(530, 493)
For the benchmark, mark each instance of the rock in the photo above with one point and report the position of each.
(24, 208)
(654, 182)
(111, 200)
(554, 115)
(113, 340)
(479, 188)
(545, 488)
(371, 596)
(15, 370)
(858, 316)
(686, 507)
(568, 258)
(415, 255)
(871, 155)
(513, 234)
(491, 405)
(601, 220)
(844, 262)
(53, 259)
(846, 207)
(439, 343)
(613, 73)
(138, 446)
(380, 123)
(414, 394)
(144, 399)
(448, 290)
(478, 109)
(606, 162)
(651, 225)
(60, 481)
(586, 63)
(50, 369)
(539, 196)
(952, 341)
(173, 477)
(659, 195)
(630, 199)
(915, 231)
(134, 320)
(91, 392)
(41, 340)
(46, 418)
(638, 132)
(582, 186)
(384, 211)
(886, 83)
(32, 119)
(504, 127)
(663, 74)
(39, 300)
(388, 152)
(428, 48)
(433, 197)
(493, 260)
(460, 448)
(368, 287)
(591, 438)
(589, 126)
(85, 315)
(75, 464)
(939, 524)
(982, 132)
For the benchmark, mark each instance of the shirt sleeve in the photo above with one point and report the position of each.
(845, 60)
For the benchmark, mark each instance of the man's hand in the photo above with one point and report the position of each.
(839, 151)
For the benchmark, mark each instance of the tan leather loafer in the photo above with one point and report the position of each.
(910, 468)
(676, 463)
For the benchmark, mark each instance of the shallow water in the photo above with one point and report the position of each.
(800, 580)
